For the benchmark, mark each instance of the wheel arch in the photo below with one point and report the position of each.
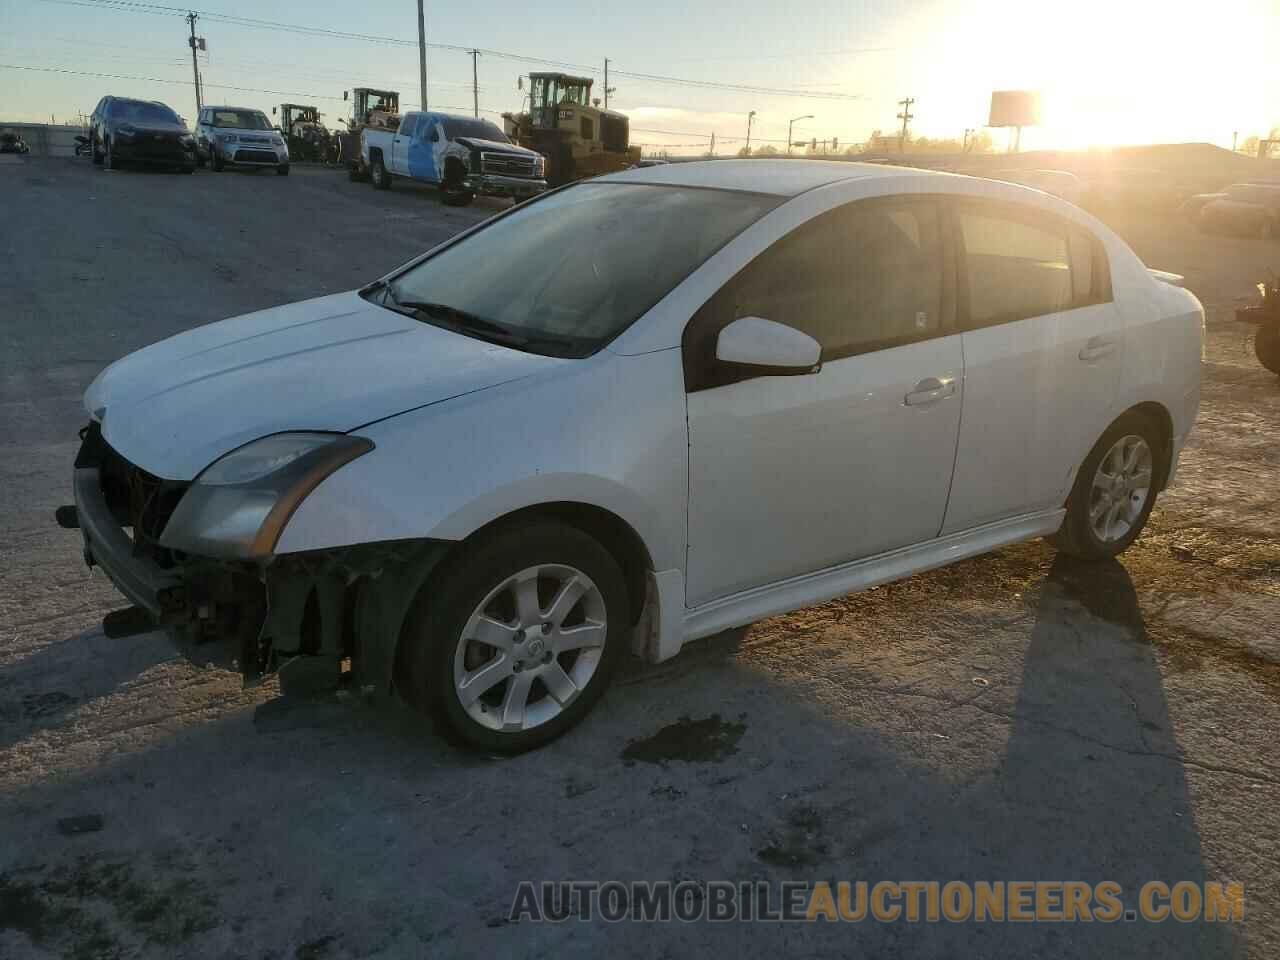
(454, 170)
(1158, 415)
(615, 534)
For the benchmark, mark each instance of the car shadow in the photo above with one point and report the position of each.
(39, 693)
(368, 834)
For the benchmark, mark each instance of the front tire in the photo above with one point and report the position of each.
(378, 175)
(216, 163)
(110, 159)
(93, 152)
(282, 170)
(454, 194)
(1114, 491)
(518, 638)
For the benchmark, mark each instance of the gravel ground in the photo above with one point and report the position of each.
(1016, 716)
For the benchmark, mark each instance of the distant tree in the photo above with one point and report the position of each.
(768, 150)
(981, 142)
(744, 151)
(1250, 146)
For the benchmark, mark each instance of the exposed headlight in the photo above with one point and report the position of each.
(126, 130)
(540, 166)
(278, 140)
(238, 507)
(188, 140)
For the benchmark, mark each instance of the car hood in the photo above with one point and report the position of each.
(332, 364)
(474, 143)
(152, 126)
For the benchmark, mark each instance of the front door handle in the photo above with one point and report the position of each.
(930, 390)
(1096, 348)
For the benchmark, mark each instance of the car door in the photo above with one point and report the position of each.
(1042, 355)
(792, 474)
(398, 162)
(422, 162)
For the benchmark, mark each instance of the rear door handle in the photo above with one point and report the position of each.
(930, 390)
(1096, 348)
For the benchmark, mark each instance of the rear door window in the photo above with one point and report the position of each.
(1014, 264)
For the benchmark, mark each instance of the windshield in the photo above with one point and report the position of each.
(578, 267)
(241, 119)
(455, 127)
(137, 111)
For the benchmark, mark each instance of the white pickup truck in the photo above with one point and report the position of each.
(464, 155)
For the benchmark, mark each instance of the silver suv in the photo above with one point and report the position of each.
(239, 136)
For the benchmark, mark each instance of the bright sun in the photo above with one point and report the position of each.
(1109, 71)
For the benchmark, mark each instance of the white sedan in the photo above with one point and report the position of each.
(634, 412)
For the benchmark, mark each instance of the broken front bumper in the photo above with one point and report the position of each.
(492, 185)
(143, 581)
(299, 614)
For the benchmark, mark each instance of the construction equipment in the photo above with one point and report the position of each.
(369, 108)
(306, 135)
(567, 127)
(1266, 343)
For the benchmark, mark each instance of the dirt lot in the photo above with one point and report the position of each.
(1013, 717)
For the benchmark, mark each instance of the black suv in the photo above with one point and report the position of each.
(121, 129)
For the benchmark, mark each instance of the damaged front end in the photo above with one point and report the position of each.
(198, 561)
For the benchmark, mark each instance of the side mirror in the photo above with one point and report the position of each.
(774, 348)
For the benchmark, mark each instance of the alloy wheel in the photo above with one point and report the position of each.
(530, 648)
(1121, 488)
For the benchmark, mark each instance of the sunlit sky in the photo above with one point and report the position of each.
(1109, 71)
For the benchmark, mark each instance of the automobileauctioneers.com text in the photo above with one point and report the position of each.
(886, 901)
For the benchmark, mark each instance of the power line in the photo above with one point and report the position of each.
(742, 88)
(137, 6)
(219, 86)
(117, 76)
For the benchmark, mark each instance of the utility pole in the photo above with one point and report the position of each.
(906, 116)
(713, 143)
(475, 82)
(422, 56)
(968, 131)
(750, 116)
(196, 43)
(607, 89)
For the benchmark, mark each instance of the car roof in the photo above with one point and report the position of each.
(210, 106)
(784, 178)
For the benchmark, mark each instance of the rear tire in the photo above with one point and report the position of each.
(536, 673)
(1266, 345)
(1109, 502)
